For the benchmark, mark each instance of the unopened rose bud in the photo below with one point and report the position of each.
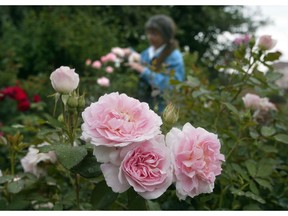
(170, 114)
(72, 102)
(81, 101)
(61, 118)
(64, 80)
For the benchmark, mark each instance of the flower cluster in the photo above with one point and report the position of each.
(134, 153)
(242, 40)
(18, 94)
(117, 56)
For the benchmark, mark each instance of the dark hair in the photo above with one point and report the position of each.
(167, 28)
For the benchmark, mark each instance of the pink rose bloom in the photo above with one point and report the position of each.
(30, 162)
(96, 64)
(88, 62)
(251, 101)
(256, 103)
(196, 159)
(117, 120)
(118, 51)
(111, 57)
(103, 81)
(145, 166)
(104, 59)
(266, 42)
(64, 80)
(109, 69)
(242, 40)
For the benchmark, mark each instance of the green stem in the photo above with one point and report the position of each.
(12, 161)
(222, 196)
(77, 190)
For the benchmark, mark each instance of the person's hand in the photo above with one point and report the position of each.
(136, 66)
(127, 51)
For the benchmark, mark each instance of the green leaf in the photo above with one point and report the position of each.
(269, 149)
(45, 148)
(15, 186)
(273, 76)
(241, 171)
(5, 178)
(154, 206)
(70, 156)
(88, 167)
(264, 183)
(248, 195)
(253, 187)
(267, 131)
(102, 196)
(282, 138)
(193, 81)
(135, 201)
(264, 169)
(272, 56)
(251, 167)
(231, 108)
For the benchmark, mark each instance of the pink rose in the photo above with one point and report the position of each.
(109, 69)
(110, 57)
(242, 40)
(118, 120)
(30, 162)
(196, 160)
(118, 51)
(256, 103)
(64, 80)
(88, 62)
(251, 100)
(103, 81)
(266, 42)
(145, 166)
(96, 64)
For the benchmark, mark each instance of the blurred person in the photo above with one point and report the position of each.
(160, 61)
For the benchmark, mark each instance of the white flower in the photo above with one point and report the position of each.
(30, 162)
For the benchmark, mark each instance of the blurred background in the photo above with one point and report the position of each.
(36, 40)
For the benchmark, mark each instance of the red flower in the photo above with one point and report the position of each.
(23, 105)
(18, 94)
(36, 98)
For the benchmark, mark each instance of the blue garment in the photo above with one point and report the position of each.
(149, 80)
(160, 80)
